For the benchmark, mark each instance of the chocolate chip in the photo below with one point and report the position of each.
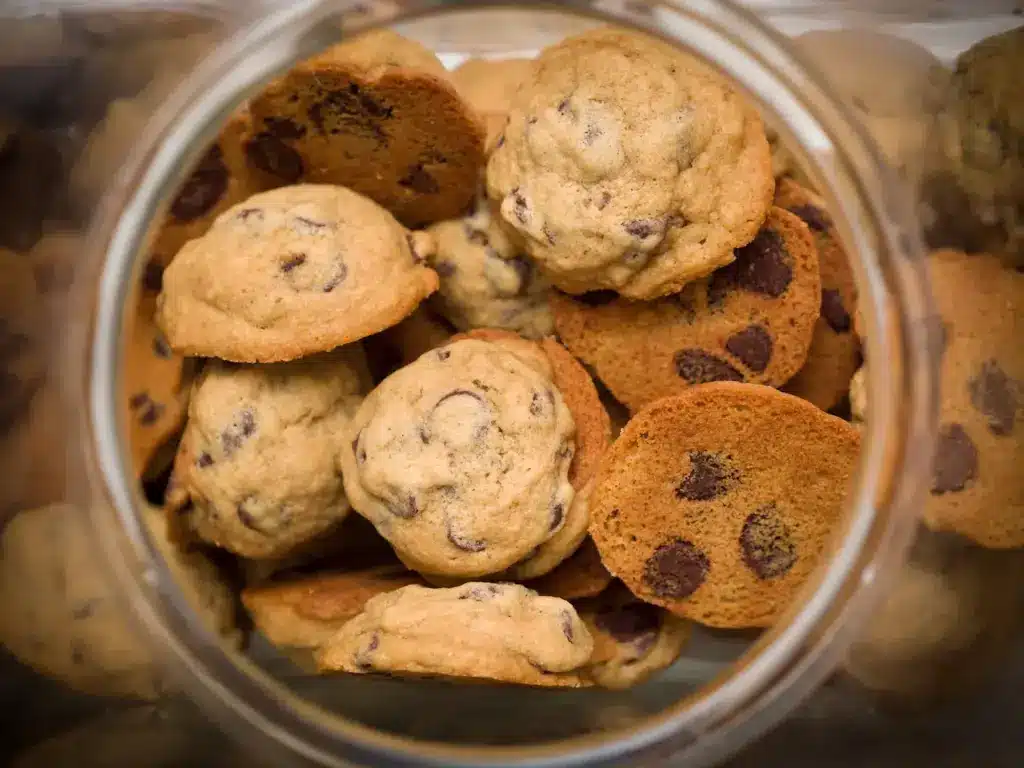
(246, 517)
(147, 410)
(443, 354)
(153, 277)
(602, 203)
(557, 516)
(138, 400)
(481, 592)
(762, 266)
(240, 430)
(834, 312)
(363, 660)
(249, 213)
(597, 298)
(203, 189)
(351, 111)
(406, 509)
(563, 107)
(956, 460)
(161, 348)
(767, 544)
(676, 569)
(695, 366)
(444, 268)
(644, 228)
(204, 460)
(418, 180)
(813, 216)
(536, 404)
(337, 278)
(269, 154)
(307, 226)
(710, 476)
(293, 261)
(463, 543)
(592, 133)
(519, 203)
(629, 622)
(567, 627)
(752, 346)
(674, 220)
(549, 235)
(461, 393)
(996, 396)
(284, 128)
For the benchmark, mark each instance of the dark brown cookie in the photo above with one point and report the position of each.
(749, 321)
(377, 115)
(717, 503)
(835, 352)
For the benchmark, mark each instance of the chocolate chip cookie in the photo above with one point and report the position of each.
(305, 611)
(461, 460)
(750, 321)
(257, 459)
(718, 503)
(292, 272)
(499, 632)
(629, 165)
(633, 640)
(835, 352)
(977, 489)
(489, 86)
(485, 282)
(379, 116)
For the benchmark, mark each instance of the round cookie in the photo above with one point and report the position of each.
(292, 272)
(257, 460)
(306, 611)
(977, 489)
(485, 282)
(834, 355)
(489, 86)
(377, 115)
(719, 502)
(581, 575)
(461, 459)
(750, 321)
(498, 632)
(633, 640)
(628, 165)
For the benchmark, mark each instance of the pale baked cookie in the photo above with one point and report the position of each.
(499, 632)
(257, 460)
(633, 640)
(977, 490)
(581, 575)
(719, 502)
(292, 272)
(752, 320)
(305, 611)
(485, 282)
(379, 116)
(629, 165)
(835, 351)
(461, 459)
(490, 85)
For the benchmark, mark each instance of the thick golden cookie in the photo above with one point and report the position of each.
(379, 116)
(835, 352)
(749, 321)
(718, 503)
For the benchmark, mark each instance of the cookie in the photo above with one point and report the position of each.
(629, 165)
(379, 116)
(22, 358)
(581, 575)
(489, 86)
(498, 632)
(461, 460)
(750, 321)
(485, 282)
(976, 488)
(292, 272)
(257, 460)
(157, 382)
(403, 343)
(718, 503)
(306, 611)
(633, 640)
(834, 355)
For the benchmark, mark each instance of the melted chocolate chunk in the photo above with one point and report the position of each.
(204, 460)
(444, 268)
(161, 348)
(629, 622)
(557, 516)
(269, 154)
(761, 266)
(996, 396)
(710, 476)
(834, 312)
(567, 627)
(813, 216)
(337, 278)
(597, 298)
(956, 460)
(249, 213)
(676, 570)
(153, 277)
(284, 128)
(406, 510)
(481, 593)
(464, 543)
(752, 346)
(767, 544)
(307, 226)
(363, 660)
(643, 228)
(695, 366)
(147, 410)
(443, 354)
(563, 107)
(536, 404)
(293, 261)
(203, 189)
(419, 180)
(240, 430)
(519, 201)
(603, 201)
(351, 111)
(246, 517)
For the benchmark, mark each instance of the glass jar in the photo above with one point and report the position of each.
(162, 78)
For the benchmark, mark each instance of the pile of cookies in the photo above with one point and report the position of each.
(383, 325)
